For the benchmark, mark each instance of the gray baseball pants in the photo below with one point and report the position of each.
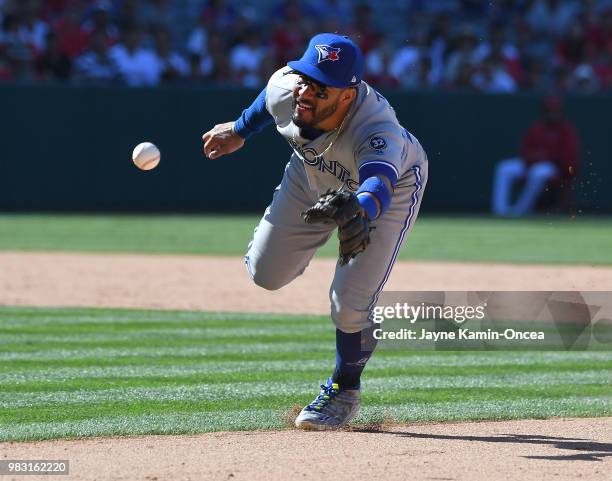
(283, 245)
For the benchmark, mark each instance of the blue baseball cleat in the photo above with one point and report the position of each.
(333, 408)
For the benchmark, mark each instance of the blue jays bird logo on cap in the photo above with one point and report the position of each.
(344, 68)
(328, 53)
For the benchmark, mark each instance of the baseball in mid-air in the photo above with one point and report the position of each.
(146, 156)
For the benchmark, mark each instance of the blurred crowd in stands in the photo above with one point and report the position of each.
(491, 46)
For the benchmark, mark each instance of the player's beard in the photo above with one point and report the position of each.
(316, 115)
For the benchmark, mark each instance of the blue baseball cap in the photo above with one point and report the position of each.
(331, 59)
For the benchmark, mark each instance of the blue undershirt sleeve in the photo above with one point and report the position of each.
(376, 187)
(253, 119)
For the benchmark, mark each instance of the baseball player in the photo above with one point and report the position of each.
(353, 169)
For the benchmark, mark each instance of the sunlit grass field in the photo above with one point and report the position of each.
(91, 372)
(480, 239)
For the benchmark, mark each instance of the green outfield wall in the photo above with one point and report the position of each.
(69, 149)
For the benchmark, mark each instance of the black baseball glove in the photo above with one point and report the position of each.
(342, 208)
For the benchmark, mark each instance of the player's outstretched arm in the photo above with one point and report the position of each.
(221, 140)
(229, 137)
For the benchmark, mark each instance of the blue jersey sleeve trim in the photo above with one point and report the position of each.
(376, 167)
(253, 119)
(377, 187)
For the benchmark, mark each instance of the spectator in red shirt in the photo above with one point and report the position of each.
(363, 30)
(599, 38)
(6, 72)
(549, 156)
(603, 70)
(377, 63)
(73, 39)
(54, 8)
(287, 40)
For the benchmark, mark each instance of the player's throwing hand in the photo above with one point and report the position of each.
(221, 140)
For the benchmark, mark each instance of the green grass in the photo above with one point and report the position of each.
(535, 240)
(92, 372)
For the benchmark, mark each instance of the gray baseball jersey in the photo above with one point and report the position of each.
(370, 134)
(370, 137)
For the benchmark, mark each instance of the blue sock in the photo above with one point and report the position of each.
(352, 353)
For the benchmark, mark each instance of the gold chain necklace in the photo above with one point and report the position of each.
(333, 140)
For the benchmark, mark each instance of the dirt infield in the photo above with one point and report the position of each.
(222, 283)
(560, 449)
(532, 449)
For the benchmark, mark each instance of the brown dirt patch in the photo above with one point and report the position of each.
(222, 283)
(525, 450)
(561, 449)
